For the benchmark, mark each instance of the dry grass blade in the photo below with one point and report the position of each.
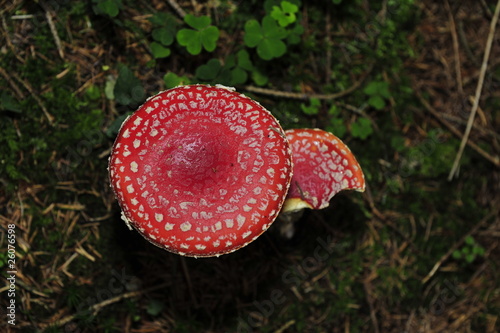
(493, 159)
(177, 8)
(94, 309)
(305, 96)
(479, 89)
(457, 245)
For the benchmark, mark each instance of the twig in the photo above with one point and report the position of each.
(28, 87)
(94, 309)
(369, 298)
(454, 37)
(177, 8)
(14, 86)
(53, 29)
(304, 96)
(486, 9)
(465, 44)
(482, 130)
(479, 88)
(493, 159)
(8, 40)
(285, 326)
(456, 246)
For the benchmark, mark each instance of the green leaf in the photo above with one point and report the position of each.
(205, 35)
(7, 102)
(377, 88)
(456, 254)
(159, 51)
(289, 7)
(294, 34)
(109, 88)
(155, 307)
(334, 110)
(93, 92)
(478, 250)
(312, 108)
(162, 19)
(398, 143)
(197, 23)
(238, 76)
(371, 88)
(285, 14)
(209, 37)
(190, 39)
(109, 7)
(270, 48)
(173, 80)
(164, 35)
(253, 33)
(337, 127)
(259, 78)
(209, 71)
(244, 60)
(377, 102)
(115, 126)
(362, 128)
(271, 29)
(267, 38)
(128, 88)
(470, 258)
(469, 240)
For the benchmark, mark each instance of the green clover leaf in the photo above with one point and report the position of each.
(173, 80)
(159, 51)
(197, 23)
(294, 34)
(214, 71)
(128, 88)
(378, 92)
(164, 35)
(285, 14)
(202, 35)
(312, 108)
(362, 128)
(109, 7)
(267, 38)
(239, 65)
(337, 125)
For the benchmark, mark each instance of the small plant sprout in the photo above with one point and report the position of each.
(470, 251)
(378, 92)
(108, 7)
(285, 14)
(268, 38)
(203, 35)
(361, 128)
(312, 108)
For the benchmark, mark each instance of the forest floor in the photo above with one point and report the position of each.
(418, 251)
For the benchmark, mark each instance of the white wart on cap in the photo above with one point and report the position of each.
(322, 166)
(200, 170)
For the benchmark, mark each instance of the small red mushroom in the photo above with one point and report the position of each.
(322, 166)
(200, 170)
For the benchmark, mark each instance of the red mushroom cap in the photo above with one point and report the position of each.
(200, 171)
(322, 166)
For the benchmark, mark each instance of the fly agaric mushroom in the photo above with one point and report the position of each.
(200, 170)
(322, 166)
